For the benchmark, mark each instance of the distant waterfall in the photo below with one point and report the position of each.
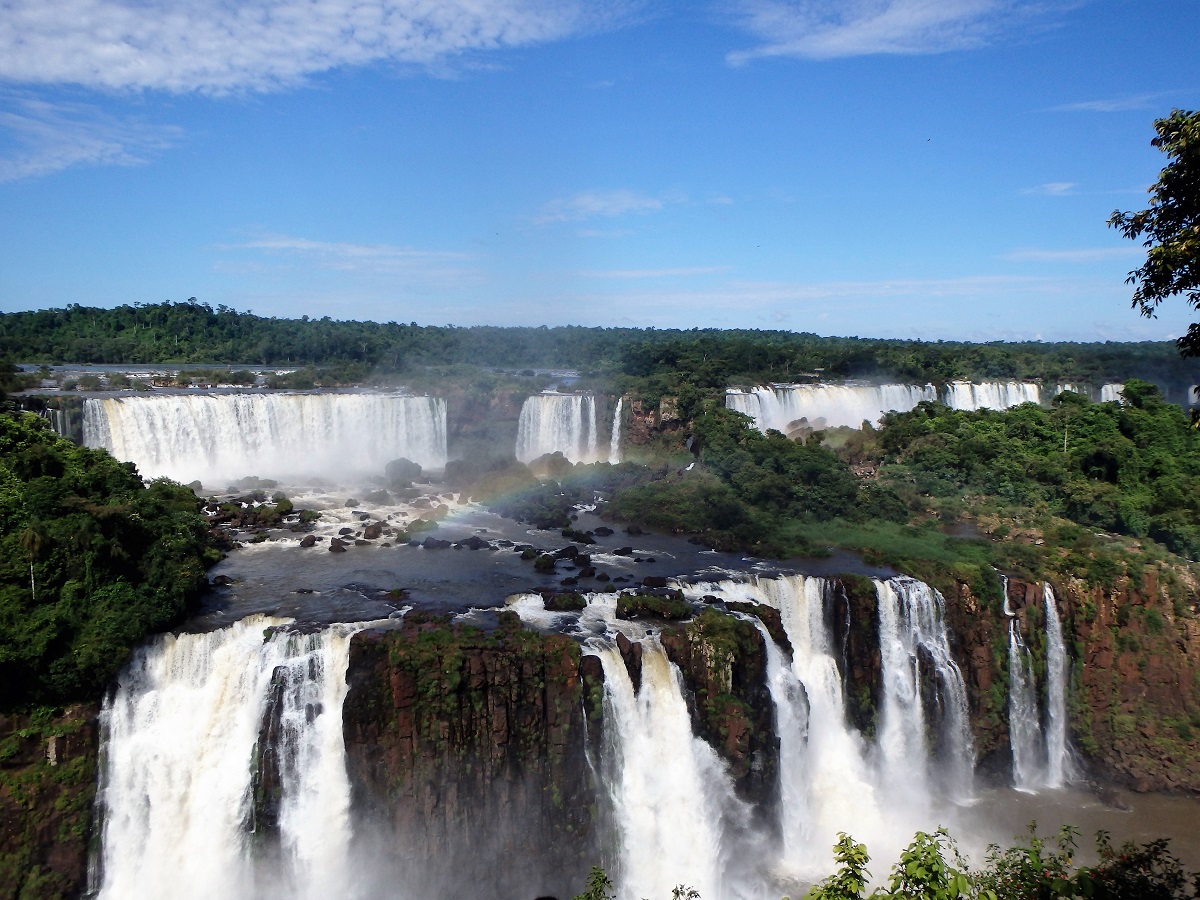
(1024, 729)
(551, 422)
(1059, 763)
(669, 788)
(833, 405)
(912, 634)
(1111, 393)
(218, 438)
(614, 444)
(179, 739)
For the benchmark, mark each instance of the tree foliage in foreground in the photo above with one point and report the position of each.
(1170, 225)
(91, 561)
(931, 868)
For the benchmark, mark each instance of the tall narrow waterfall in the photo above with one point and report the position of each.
(1059, 763)
(218, 438)
(564, 423)
(614, 443)
(180, 738)
(912, 635)
(1024, 728)
(833, 405)
(669, 789)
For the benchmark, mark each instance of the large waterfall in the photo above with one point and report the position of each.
(1024, 728)
(833, 405)
(181, 736)
(564, 423)
(218, 438)
(669, 789)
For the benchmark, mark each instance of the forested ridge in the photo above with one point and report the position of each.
(194, 332)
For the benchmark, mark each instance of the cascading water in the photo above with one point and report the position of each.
(179, 740)
(669, 789)
(1025, 733)
(989, 394)
(218, 438)
(912, 628)
(834, 405)
(614, 444)
(1111, 393)
(564, 423)
(1060, 767)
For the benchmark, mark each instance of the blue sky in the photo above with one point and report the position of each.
(888, 168)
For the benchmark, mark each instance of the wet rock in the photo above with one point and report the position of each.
(623, 551)
(337, 546)
(308, 540)
(432, 543)
(373, 531)
(345, 531)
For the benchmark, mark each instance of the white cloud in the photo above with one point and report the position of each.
(828, 29)
(1053, 189)
(48, 137)
(1080, 255)
(218, 46)
(599, 204)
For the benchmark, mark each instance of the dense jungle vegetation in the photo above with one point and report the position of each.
(661, 361)
(92, 560)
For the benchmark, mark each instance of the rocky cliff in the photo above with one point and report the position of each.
(468, 755)
(48, 776)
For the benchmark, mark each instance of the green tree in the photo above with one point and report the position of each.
(1170, 225)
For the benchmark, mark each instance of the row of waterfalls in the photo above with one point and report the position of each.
(782, 406)
(216, 438)
(184, 730)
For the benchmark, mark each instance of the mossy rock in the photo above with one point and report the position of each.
(565, 602)
(671, 607)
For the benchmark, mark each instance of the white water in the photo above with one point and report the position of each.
(564, 423)
(912, 620)
(179, 739)
(1024, 727)
(832, 405)
(219, 438)
(670, 791)
(1111, 393)
(1060, 767)
(614, 444)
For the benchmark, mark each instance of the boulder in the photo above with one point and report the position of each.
(373, 531)
(337, 546)
(308, 540)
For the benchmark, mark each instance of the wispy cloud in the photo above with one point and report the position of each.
(366, 259)
(600, 204)
(48, 137)
(677, 272)
(828, 29)
(1079, 255)
(1052, 189)
(1127, 103)
(188, 45)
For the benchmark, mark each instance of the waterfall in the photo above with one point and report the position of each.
(912, 630)
(1111, 393)
(990, 394)
(218, 438)
(1059, 763)
(552, 422)
(669, 789)
(833, 405)
(180, 737)
(1024, 730)
(614, 444)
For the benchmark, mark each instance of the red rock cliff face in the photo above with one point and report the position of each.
(468, 753)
